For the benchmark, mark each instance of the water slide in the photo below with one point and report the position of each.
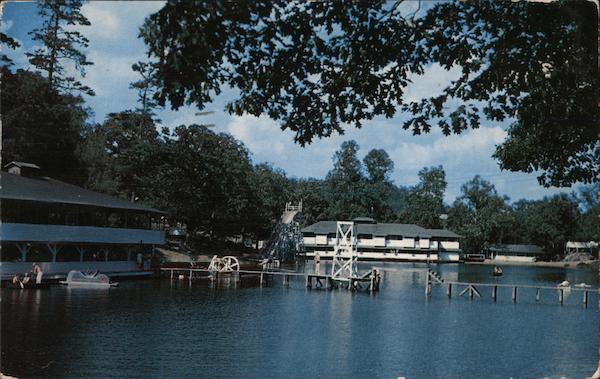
(285, 240)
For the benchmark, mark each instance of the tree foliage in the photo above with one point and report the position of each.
(42, 126)
(378, 165)
(126, 146)
(11, 43)
(426, 199)
(317, 66)
(479, 214)
(61, 42)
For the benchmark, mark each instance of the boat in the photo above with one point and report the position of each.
(89, 280)
(498, 271)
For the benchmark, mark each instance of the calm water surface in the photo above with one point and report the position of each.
(155, 328)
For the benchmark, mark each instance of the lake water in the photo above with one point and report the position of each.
(158, 328)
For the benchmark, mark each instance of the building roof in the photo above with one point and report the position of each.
(48, 190)
(444, 233)
(383, 229)
(22, 164)
(515, 248)
(581, 245)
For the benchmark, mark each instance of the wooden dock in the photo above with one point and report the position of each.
(475, 289)
(371, 278)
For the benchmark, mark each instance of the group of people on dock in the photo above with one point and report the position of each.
(36, 271)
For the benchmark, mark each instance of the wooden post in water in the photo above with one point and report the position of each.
(514, 294)
(190, 279)
(537, 295)
(171, 274)
(471, 292)
(449, 292)
(561, 296)
(494, 293)
(308, 281)
(286, 281)
(585, 298)
(261, 279)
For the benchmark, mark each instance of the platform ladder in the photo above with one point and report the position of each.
(345, 255)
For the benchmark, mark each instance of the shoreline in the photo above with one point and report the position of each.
(569, 265)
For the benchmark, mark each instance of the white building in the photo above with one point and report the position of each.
(516, 253)
(385, 241)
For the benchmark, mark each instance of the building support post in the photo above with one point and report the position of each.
(53, 250)
(23, 249)
(81, 251)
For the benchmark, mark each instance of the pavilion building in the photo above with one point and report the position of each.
(64, 227)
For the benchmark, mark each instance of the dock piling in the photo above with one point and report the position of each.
(514, 294)
(538, 295)
(449, 292)
(561, 295)
(494, 293)
(585, 298)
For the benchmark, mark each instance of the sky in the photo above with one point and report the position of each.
(115, 46)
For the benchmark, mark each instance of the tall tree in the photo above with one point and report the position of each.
(207, 182)
(41, 125)
(273, 190)
(479, 215)
(60, 43)
(145, 87)
(317, 66)
(121, 152)
(379, 166)
(426, 199)
(549, 222)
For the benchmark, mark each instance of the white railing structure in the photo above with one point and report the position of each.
(344, 252)
(291, 208)
(225, 264)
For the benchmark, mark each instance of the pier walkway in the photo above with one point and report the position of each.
(372, 278)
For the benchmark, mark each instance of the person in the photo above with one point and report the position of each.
(317, 263)
(37, 271)
(17, 280)
(140, 260)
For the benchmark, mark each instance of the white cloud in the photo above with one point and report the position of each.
(5, 25)
(111, 20)
(431, 83)
(105, 22)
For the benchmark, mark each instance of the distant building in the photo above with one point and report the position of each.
(587, 250)
(516, 253)
(64, 227)
(385, 241)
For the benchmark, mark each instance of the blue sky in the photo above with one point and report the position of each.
(114, 47)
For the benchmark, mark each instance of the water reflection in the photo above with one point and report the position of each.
(156, 328)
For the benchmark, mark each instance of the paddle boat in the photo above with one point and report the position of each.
(88, 280)
(498, 271)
